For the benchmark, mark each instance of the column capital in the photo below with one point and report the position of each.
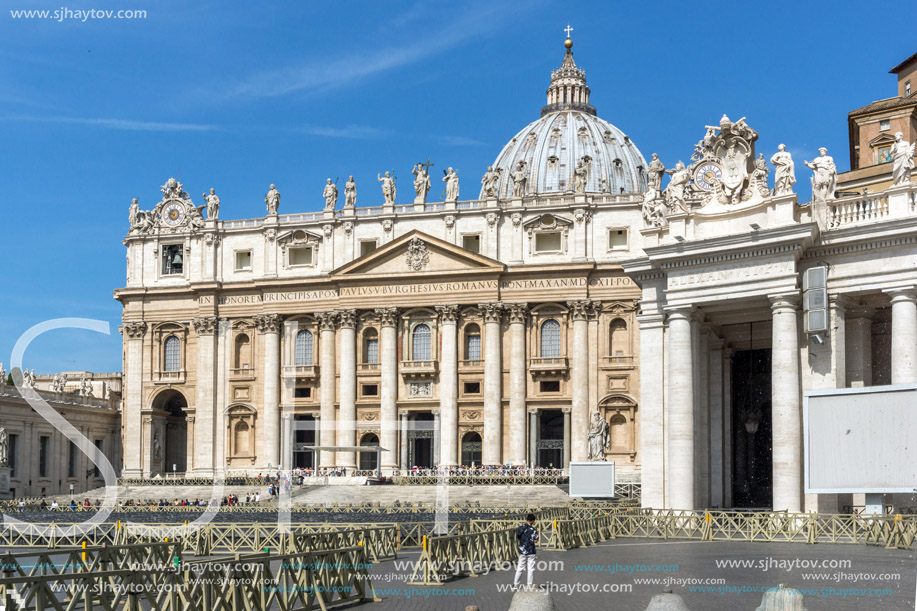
(327, 320)
(581, 309)
(784, 302)
(135, 329)
(493, 311)
(533, 411)
(839, 301)
(517, 312)
(347, 319)
(685, 312)
(901, 294)
(567, 410)
(651, 320)
(448, 313)
(727, 353)
(388, 317)
(267, 323)
(435, 412)
(205, 325)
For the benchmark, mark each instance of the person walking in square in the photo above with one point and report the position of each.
(526, 538)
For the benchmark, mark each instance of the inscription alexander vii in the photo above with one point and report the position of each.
(732, 273)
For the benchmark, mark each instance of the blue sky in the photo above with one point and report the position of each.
(238, 95)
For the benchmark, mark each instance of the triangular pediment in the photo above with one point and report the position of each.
(881, 140)
(417, 253)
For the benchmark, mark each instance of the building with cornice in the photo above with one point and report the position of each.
(485, 331)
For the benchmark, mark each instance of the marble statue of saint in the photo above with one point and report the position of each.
(28, 379)
(784, 172)
(903, 160)
(452, 185)
(350, 193)
(654, 174)
(579, 176)
(157, 446)
(824, 180)
(759, 176)
(653, 209)
(85, 387)
(2, 375)
(421, 183)
(598, 437)
(133, 215)
(330, 194)
(519, 180)
(388, 188)
(490, 181)
(4, 448)
(272, 199)
(213, 205)
(675, 192)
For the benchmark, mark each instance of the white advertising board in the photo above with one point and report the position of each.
(592, 479)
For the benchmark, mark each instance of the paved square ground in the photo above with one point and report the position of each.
(614, 575)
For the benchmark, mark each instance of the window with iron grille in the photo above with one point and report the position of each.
(472, 343)
(172, 354)
(372, 346)
(550, 339)
(304, 343)
(420, 343)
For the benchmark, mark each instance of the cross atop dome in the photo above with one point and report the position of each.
(568, 90)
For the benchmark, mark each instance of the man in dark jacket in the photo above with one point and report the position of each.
(526, 538)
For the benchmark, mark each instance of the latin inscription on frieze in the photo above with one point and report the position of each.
(728, 274)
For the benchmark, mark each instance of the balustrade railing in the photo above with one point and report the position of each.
(867, 208)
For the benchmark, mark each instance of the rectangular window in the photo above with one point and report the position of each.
(473, 350)
(71, 460)
(547, 242)
(550, 386)
(370, 390)
(367, 246)
(244, 261)
(302, 392)
(95, 469)
(617, 239)
(907, 89)
(44, 447)
(372, 350)
(885, 124)
(14, 452)
(301, 255)
(472, 388)
(172, 260)
(472, 243)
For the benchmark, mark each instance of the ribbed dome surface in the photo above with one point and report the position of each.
(553, 145)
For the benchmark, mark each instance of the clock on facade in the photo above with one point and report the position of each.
(705, 173)
(173, 214)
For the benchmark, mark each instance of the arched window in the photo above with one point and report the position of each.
(304, 343)
(550, 339)
(371, 346)
(172, 354)
(420, 343)
(243, 352)
(472, 342)
(618, 342)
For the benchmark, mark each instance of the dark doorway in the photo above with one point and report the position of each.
(369, 461)
(420, 441)
(751, 429)
(170, 455)
(550, 443)
(471, 449)
(303, 437)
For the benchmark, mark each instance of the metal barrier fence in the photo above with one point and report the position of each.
(463, 555)
(154, 576)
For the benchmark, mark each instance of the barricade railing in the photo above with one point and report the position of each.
(444, 557)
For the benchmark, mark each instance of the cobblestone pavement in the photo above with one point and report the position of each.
(617, 575)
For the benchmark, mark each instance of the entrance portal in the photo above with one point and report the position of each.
(751, 429)
(170, 443)
(471, 449)
(420, 441)
(303, 437)
(550, 442)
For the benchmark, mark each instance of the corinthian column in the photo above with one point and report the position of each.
(493, 384)
(448, 388)
(517, 315)
(133, 332)
(904, 336)
(347, 432)
(785, 405)
(579, 378)
(269, 326)
(205, 414)
(388, 358)
(328, 435)
(680, 461)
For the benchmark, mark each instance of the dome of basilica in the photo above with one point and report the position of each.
(567, 134)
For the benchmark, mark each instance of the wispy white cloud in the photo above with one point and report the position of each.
(120, 124)
(354, 132)
(324, 74)
(462, 141)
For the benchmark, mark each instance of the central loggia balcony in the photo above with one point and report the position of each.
(548, 365)
(305, 372)
(418, 369)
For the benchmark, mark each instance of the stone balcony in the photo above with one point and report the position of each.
(242, 373)
(415, 370)
(169, 377)
(617, 362)
(555, 365)
(304, 372)
(367, 368)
